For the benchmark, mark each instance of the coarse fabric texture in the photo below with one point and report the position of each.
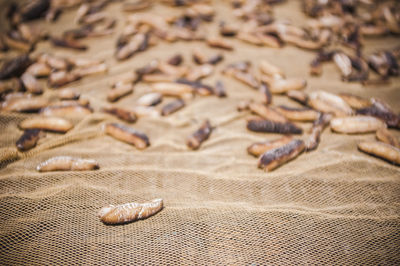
(334, 205)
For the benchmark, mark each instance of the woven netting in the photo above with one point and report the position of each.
(334, 205)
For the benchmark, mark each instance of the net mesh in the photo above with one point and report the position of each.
(334, 205)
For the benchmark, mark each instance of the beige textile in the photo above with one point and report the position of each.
(334, 205)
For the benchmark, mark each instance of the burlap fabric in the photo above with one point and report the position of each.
(334, 205)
